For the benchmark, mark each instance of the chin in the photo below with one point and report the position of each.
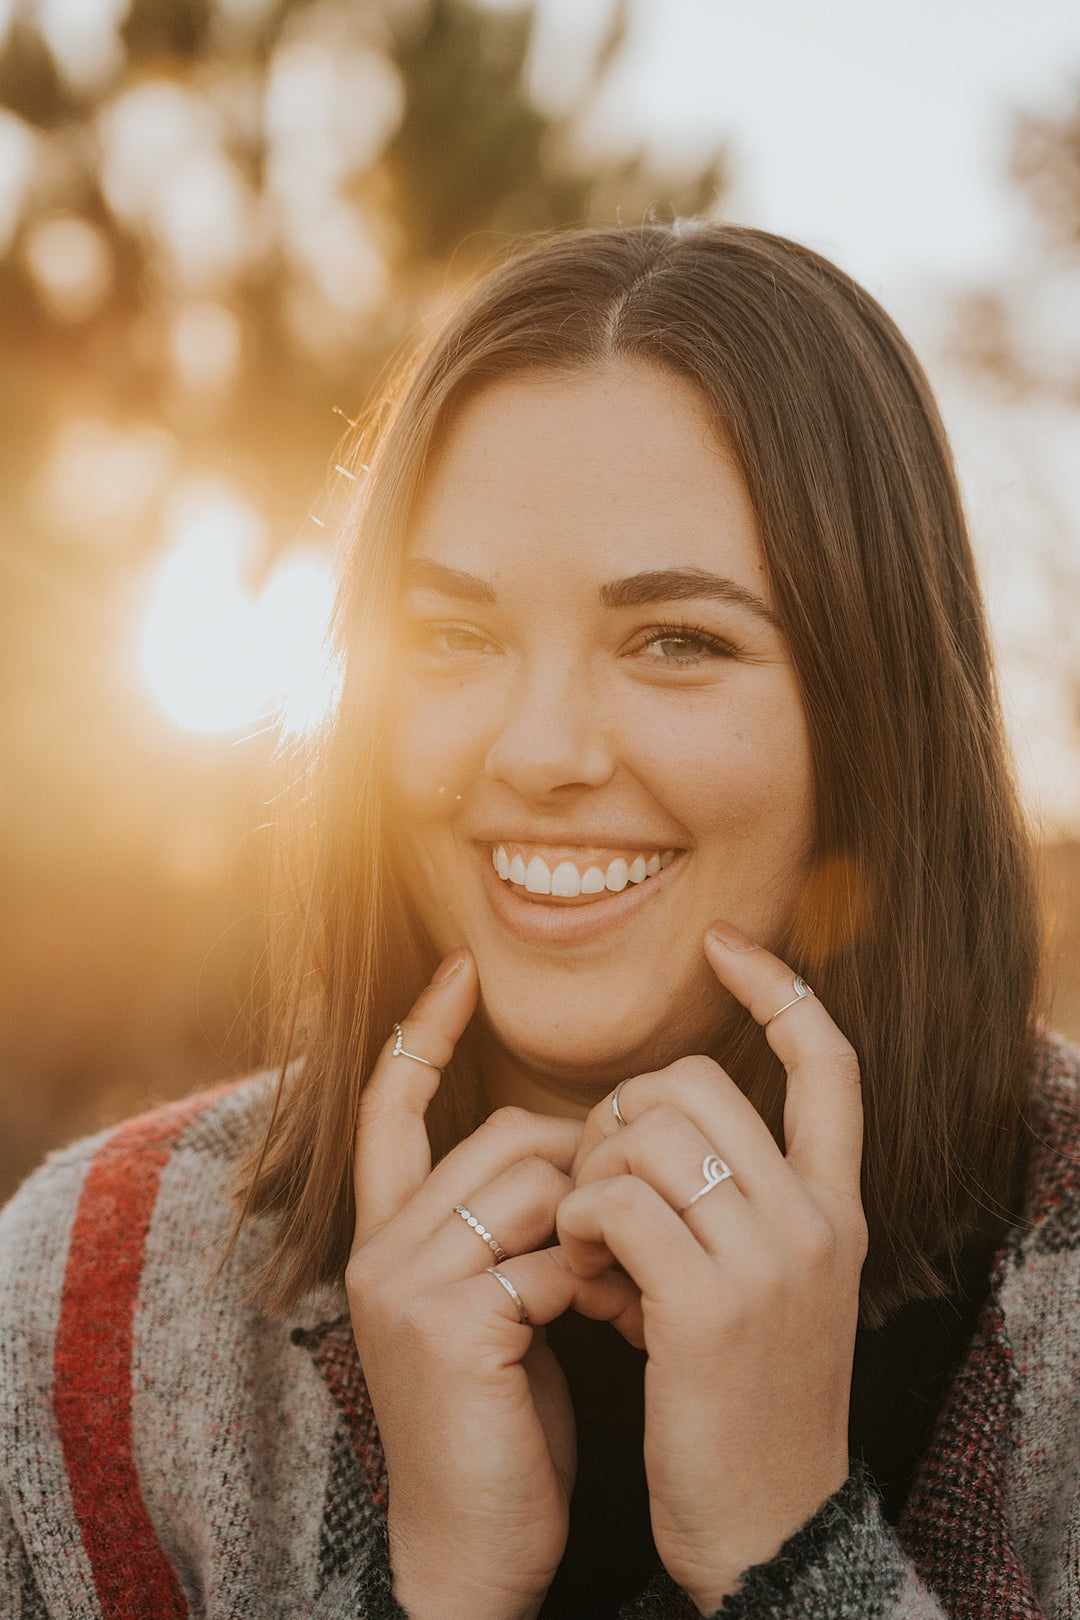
(589, 1055)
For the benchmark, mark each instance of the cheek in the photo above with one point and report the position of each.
(433, 742)
(738, 767)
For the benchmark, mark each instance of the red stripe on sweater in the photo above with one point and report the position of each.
(92, 1389)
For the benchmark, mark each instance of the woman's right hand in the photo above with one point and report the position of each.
(472, 1408)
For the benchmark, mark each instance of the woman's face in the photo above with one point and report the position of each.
(597, 742)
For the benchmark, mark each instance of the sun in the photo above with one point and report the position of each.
(218, 656)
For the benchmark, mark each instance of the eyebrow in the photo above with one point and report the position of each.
(636, 590)
(683, 585)
(424, 574)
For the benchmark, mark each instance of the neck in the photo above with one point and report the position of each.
(508, 1080)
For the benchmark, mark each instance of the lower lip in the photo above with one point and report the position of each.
(537, 923)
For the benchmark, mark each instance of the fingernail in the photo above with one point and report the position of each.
(447, 969)
(732, 937)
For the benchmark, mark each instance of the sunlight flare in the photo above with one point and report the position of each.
(219, 656)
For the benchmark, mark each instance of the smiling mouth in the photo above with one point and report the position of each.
(580, 876)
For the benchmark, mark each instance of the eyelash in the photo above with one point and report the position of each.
(716, 646)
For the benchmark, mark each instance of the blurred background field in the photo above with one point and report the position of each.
(220, 218)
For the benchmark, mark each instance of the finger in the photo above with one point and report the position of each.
(724, 1115)
(392, 1154)
(628, 1219)
(506, 1138)
(666, 1150)
(510, 1215)
(823, 1119)
(547, 1286)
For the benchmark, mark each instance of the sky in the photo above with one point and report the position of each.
(876, 133)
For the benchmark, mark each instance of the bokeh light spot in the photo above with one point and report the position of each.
(18, 154)
(71, 265)
(83, 39)
(205, 344)
(102, 478)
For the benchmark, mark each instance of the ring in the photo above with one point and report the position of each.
(801, 989)
(715, 1171)
(523, 1315)
(615, 1103)
(399, 1051)
(481, 1231)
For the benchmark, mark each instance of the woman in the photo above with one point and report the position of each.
(667, 696)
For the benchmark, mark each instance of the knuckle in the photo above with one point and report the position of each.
(664, 1118)
(509, 1121)
(624, 1195)
(690, 1075)
(817, 1242)
(541, 1182)
(845, 1060)
(858, 1237)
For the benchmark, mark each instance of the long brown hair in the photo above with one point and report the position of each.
(918, 924)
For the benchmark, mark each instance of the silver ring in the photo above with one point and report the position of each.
(715, 1171)
(399, 1051)
(615, 1103)
(801, 989)
(481, 1231)
(523, 1315)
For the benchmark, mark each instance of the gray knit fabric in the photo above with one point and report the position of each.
(168, 1450)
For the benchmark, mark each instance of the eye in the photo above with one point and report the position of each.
(675, 644)
(448, 641)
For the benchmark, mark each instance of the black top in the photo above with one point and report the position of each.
(898, 1384)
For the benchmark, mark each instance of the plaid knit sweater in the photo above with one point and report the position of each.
(166, 1450)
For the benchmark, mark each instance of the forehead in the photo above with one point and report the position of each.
(593, 473)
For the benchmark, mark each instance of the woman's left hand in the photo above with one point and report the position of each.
(749, 1296)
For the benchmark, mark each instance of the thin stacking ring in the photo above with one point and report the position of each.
(715, 1171)
(399, 1051)
(481, 1231)
(615, 1103)
(523, 1315)
(801, 989)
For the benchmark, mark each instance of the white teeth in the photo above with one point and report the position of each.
(537, 876)
(566, 880)
(616, 875)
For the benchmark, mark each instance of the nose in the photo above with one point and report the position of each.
(551, 736)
